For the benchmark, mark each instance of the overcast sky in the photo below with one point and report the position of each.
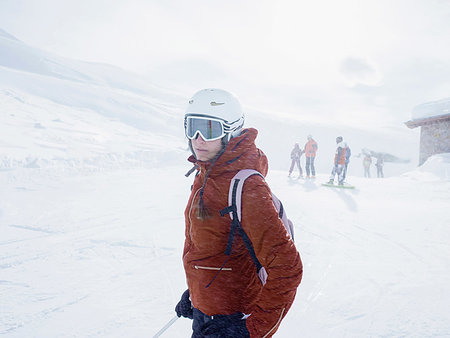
(353, 60)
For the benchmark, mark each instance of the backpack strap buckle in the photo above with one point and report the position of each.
(226, 210)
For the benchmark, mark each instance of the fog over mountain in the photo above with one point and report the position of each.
(45, 97)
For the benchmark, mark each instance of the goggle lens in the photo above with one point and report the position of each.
(209, 129)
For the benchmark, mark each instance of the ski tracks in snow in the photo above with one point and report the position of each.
(368, 257)
(85, 245)
(105, 249)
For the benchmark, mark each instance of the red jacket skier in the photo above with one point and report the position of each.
(310, 153)
(339, 162)
(225, 297)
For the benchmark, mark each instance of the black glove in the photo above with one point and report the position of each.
(226, 326)
(184, 306)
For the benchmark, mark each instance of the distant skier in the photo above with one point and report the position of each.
(367, 161)
(379, 164)
(348, 153)
(310, 154)
(296, 153)
(339, 162)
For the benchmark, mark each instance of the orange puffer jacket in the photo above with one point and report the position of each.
(237, 288)
(311, 148)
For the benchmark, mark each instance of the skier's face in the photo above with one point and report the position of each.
(206, 150)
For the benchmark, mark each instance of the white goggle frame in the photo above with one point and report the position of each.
(225, 128)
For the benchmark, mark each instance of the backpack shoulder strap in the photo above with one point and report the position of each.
(234, 210)
(236, 186)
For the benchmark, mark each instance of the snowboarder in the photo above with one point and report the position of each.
(225, 297)
(379, 164)
(367, 161)
(348, 153)
(310, 154)
(339, 162)
(296, 153)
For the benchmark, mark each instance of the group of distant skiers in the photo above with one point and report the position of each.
(340, 163)
(367, 161)
(310, 154)
(341, 159)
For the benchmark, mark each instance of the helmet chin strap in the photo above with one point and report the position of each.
(235, 133)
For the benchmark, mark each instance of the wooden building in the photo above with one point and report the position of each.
(434, 120)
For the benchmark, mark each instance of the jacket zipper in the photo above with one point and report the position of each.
(211, 268)
(190, 211)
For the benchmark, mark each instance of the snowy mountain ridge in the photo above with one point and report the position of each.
(60, 112)
(7, 35)
(20, 56)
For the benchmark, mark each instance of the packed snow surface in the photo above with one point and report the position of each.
(98, 253)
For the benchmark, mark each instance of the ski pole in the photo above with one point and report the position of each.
(160, 332)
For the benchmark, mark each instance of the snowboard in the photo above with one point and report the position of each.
(345, 186)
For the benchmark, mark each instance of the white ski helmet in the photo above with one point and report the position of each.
(219, 105)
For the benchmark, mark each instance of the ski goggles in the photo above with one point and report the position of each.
(210, 129)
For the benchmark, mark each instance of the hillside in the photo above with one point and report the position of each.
(61, 112)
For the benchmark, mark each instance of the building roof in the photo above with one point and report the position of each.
(429, 109)
(427, 120)
(430, 112)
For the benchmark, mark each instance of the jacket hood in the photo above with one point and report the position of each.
(239, 153)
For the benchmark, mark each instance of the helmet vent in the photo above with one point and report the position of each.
(212, 103)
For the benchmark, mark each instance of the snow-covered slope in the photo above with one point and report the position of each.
(56, 111)
(99, 254)
(36, 132)
(436, 168)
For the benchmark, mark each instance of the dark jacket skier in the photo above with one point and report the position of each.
(348, 153)
(296, 153)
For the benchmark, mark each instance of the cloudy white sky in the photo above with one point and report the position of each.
(365, 61)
